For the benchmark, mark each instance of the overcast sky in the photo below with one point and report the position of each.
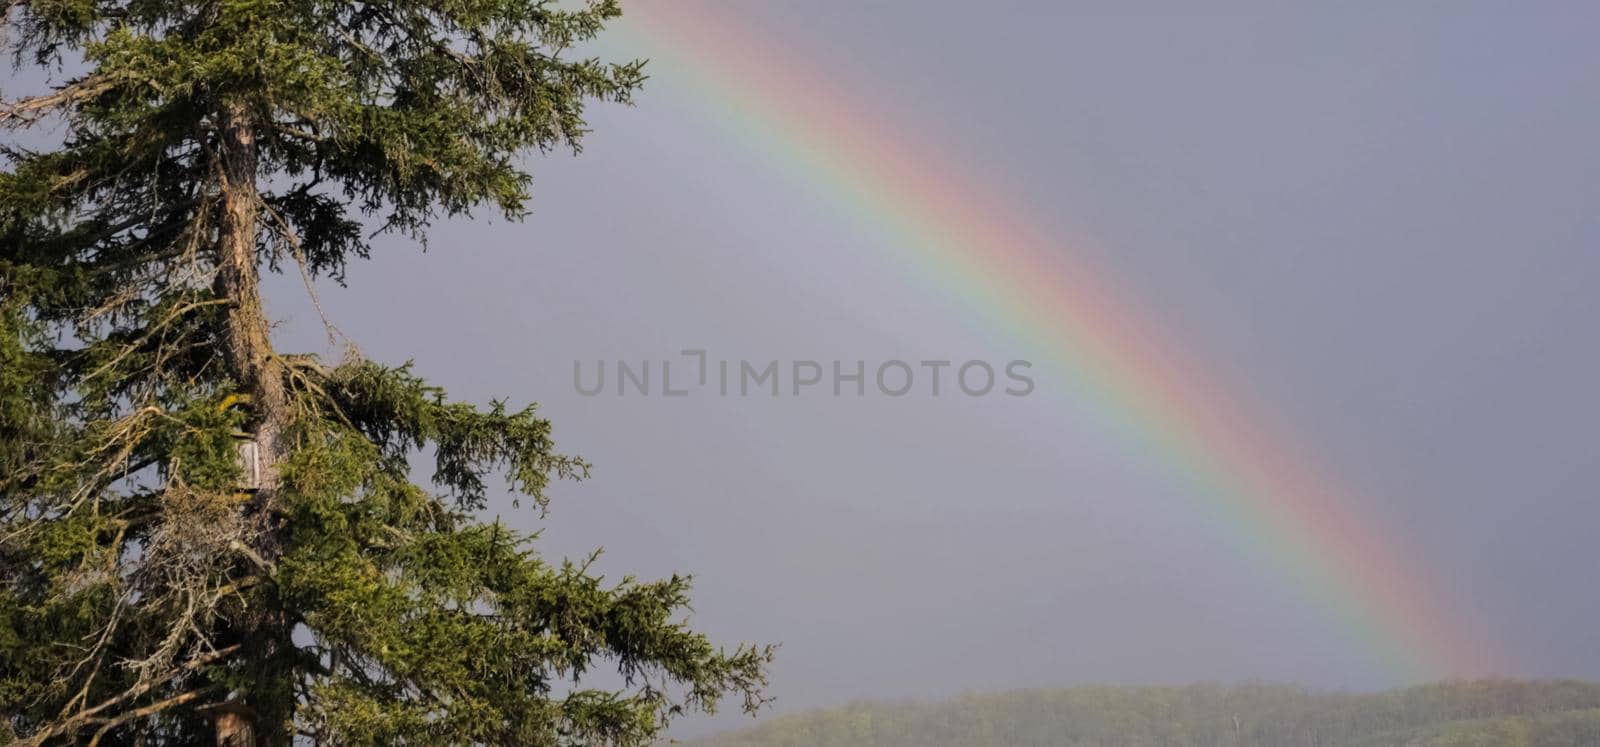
(1377, 223)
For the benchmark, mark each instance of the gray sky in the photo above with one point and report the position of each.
(1377, 223)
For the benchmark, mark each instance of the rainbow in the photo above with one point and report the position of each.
(965, 240)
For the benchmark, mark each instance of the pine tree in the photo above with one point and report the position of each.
(204, 539)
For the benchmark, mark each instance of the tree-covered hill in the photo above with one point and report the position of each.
(1494, 713)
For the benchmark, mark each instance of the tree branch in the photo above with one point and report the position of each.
(25, 112)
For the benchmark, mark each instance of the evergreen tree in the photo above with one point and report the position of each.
(158, 584)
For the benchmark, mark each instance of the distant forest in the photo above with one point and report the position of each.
(1491, 713)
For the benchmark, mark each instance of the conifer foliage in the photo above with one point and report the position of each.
(160, 585)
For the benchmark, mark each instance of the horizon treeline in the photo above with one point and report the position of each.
(1489, 713)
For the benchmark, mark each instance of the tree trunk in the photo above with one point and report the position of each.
(247, 348)
(234, 729)
(247, 343)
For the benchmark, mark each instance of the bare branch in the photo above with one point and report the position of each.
(30, 110)
(138, 713)
(88, 716)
